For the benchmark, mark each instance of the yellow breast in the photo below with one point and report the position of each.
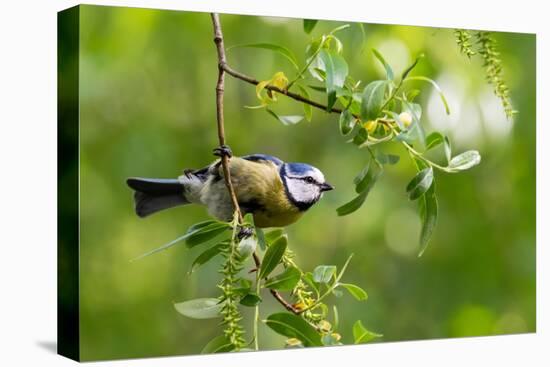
(260, 191)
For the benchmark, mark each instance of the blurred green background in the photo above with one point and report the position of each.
(147, 108)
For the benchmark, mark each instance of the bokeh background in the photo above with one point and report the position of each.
(147, 108)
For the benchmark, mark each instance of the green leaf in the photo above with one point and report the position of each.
(383, 158)
(336, 69)
(366, 178)
(289, 55)
(219, 344)
(434, 139)
(286, 281)
(244, 287)
(324, 273)
(205, 233)
(261, 238)
(436, 87)
(412, 66)
(317, 88)
(308, 110)
(361, 136)
(293, 326)
(272, 256)
(415, 131)
(428, 210)
(194, 229)
(340, 28)
(286, 120)
(362, 335)
(336, 321)
(373, 99)
(200, 308)
(271, 236)
(389, 70)
(420, 183)
(250, 300)
(309, 24)
(465, 160)
(249, 219)
(206, 256)
(346, 122)
(364, 183)
(447, 147)
(355, 291)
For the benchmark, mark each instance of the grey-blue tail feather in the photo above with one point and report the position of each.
(154, 194)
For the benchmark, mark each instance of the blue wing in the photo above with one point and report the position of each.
(263, 157)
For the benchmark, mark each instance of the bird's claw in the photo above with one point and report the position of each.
(245, 232)
(223, 151)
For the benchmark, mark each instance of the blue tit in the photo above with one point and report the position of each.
(275, 192)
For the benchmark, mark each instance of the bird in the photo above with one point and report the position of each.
(276, 193)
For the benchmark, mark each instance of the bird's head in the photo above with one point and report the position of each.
(304, 184)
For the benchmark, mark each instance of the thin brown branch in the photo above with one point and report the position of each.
(220, 85)
(295, 96)
(218, 40)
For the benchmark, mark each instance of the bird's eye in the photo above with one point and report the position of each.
(309, 179)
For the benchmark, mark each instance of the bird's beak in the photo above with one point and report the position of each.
(326, 187)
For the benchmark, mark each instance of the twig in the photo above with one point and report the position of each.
(222, 68)
(285, 92)
(218, 40)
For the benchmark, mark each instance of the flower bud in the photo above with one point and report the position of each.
(405, 118)
(247, 246)
(370, 125)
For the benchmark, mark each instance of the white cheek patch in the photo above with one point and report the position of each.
(302, 191)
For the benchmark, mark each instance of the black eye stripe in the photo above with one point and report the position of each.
(307, 179)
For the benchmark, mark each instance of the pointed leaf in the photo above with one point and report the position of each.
(336, 70)
(428, 210)
(200, 308)
(434, 139)
(206, 256)
(361, 334)
(272, 256)
(250, 300)
(293, 326)
(436, 87)
(355, 291)
(206, 233)
(465, 160)
(412, 66)
(286, 120)
(346, 122)
(286, 281)
(308, 110)
(387, 67)
(324, 273)
(273, 235)
(193, 230)
(420, 183)
(373, 99)
(262, 242)
(361, 136)
(309, 24)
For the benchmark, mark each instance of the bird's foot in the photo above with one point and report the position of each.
(253, 270)
(223, 151)
(245, 232)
